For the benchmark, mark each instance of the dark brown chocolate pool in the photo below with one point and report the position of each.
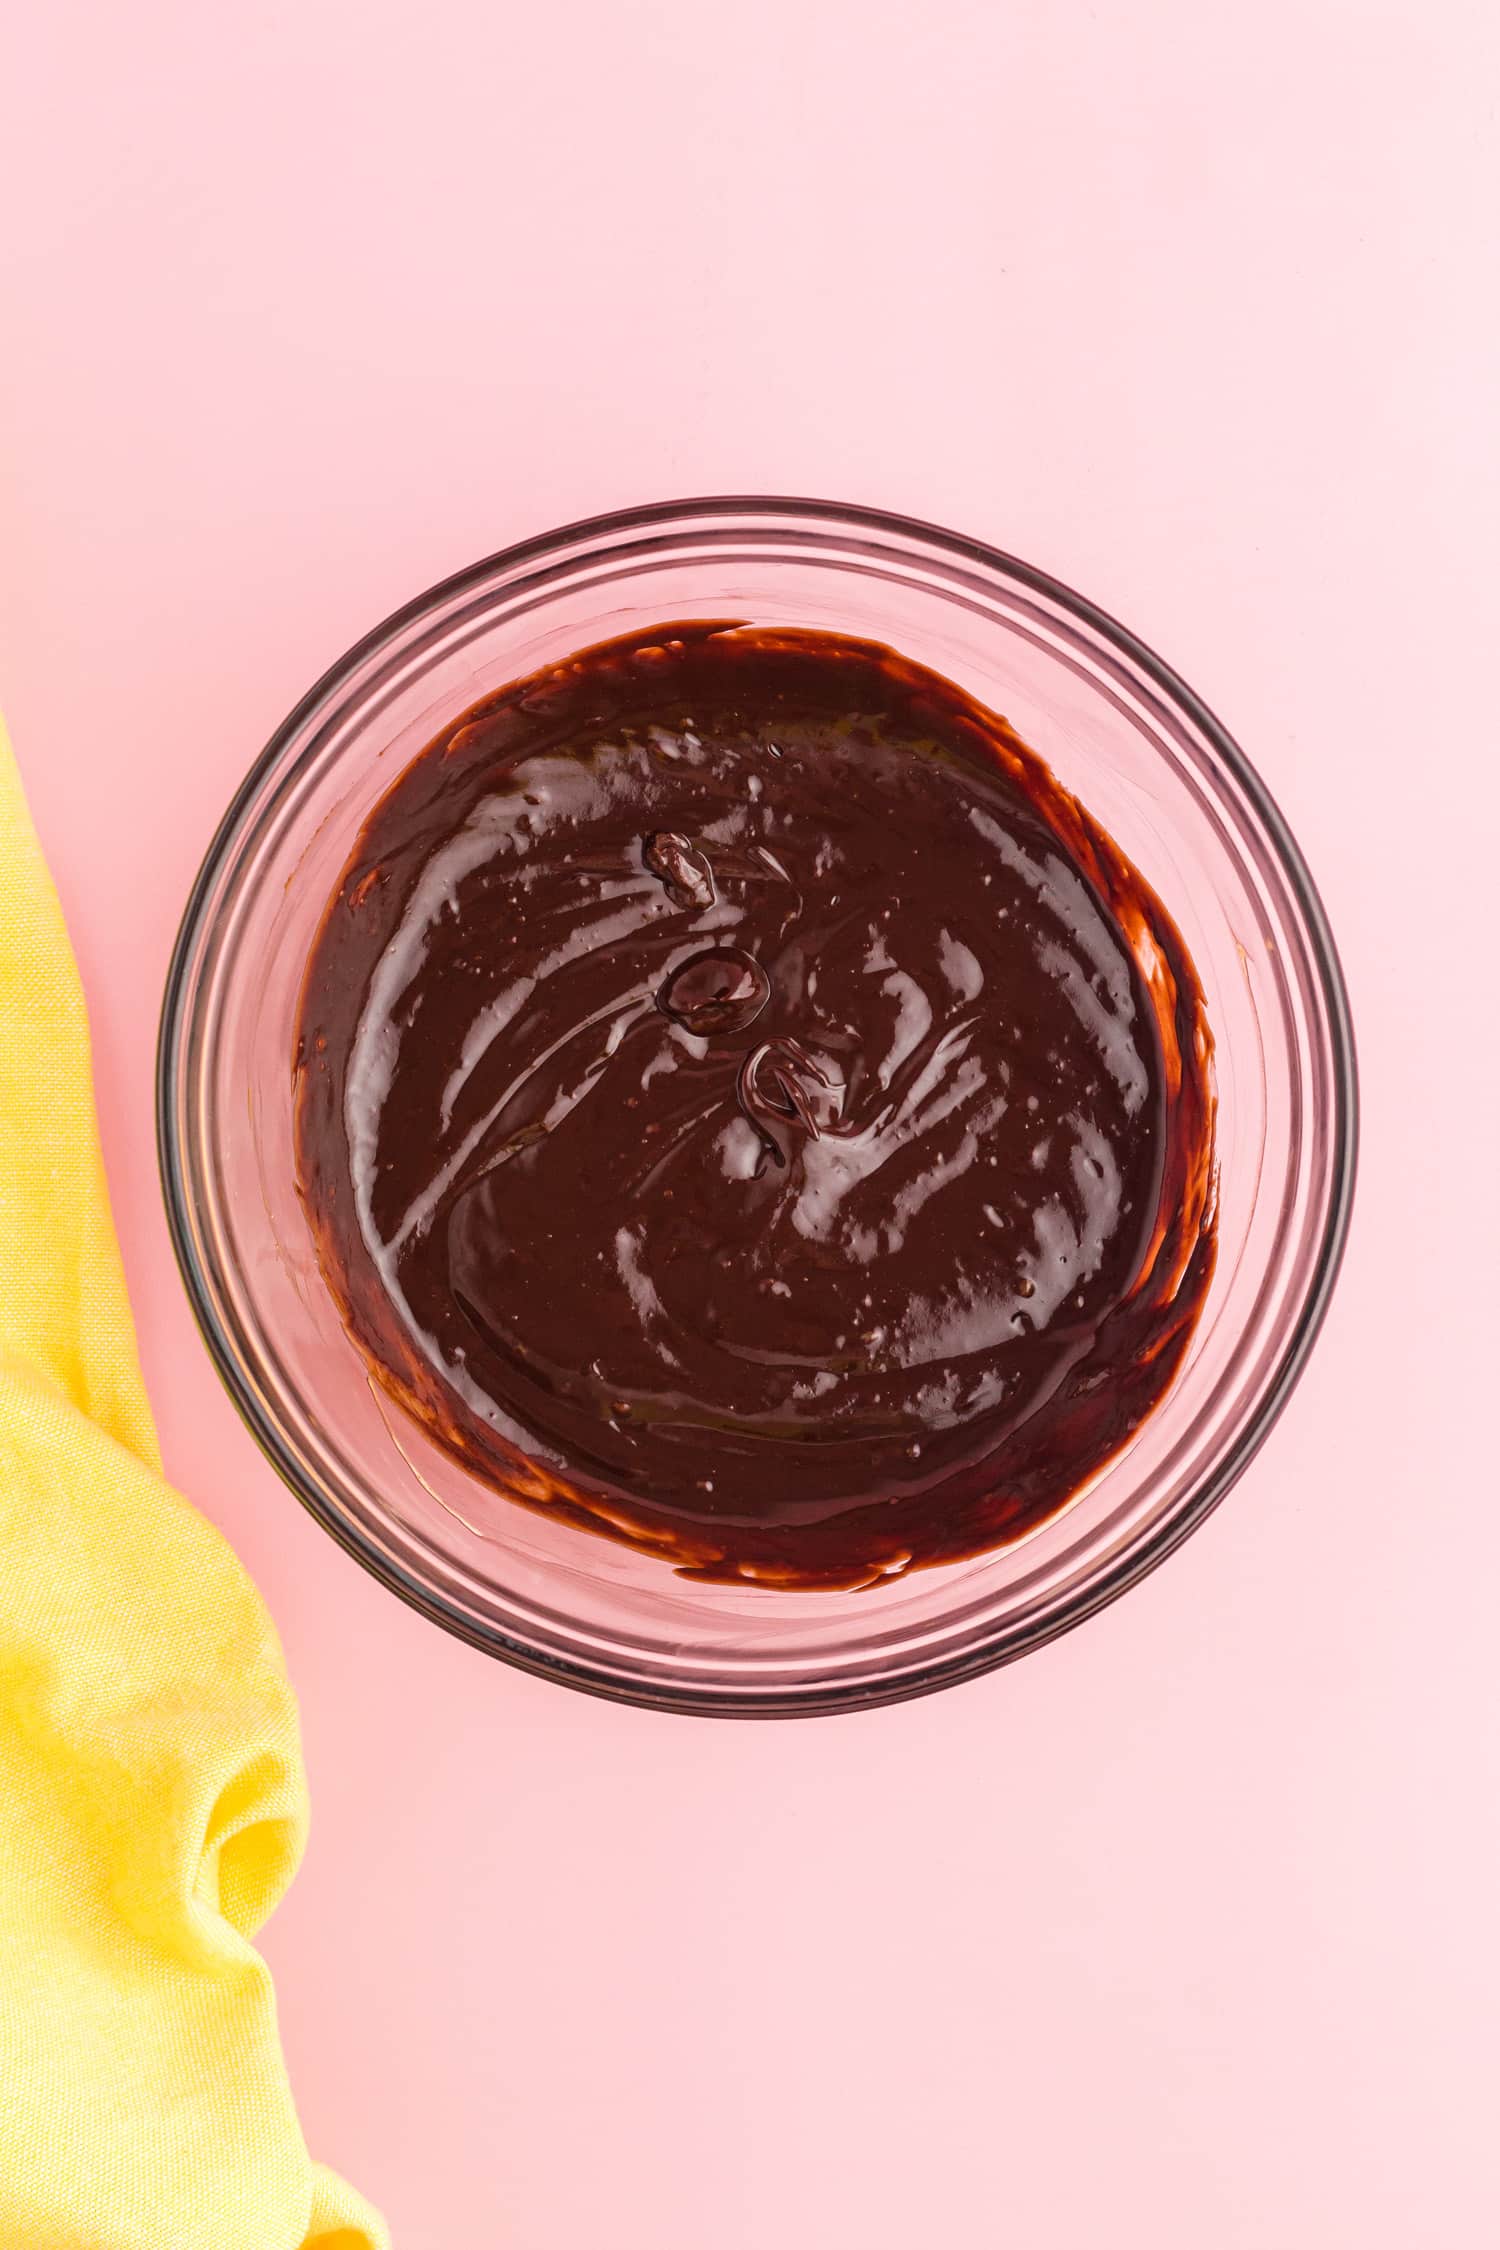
(745, 1106)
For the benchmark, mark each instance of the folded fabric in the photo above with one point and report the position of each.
(152, 1802)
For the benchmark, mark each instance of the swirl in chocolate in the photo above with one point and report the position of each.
(746, 1105)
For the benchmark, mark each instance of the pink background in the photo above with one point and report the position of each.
(1180, 1933)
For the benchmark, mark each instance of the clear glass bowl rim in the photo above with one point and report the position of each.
(1164, 1537)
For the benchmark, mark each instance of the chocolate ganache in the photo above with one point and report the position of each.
(746, 1106)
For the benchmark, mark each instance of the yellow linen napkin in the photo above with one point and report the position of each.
(152, 1803)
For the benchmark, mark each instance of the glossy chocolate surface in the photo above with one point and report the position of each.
(745, 1104)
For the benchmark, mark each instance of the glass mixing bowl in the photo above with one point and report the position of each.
(1148, 761)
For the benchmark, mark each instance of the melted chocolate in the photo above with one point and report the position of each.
(745, 1105)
